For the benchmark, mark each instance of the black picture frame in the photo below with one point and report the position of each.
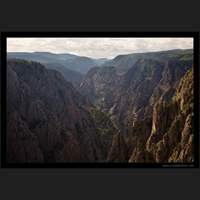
(5, 35)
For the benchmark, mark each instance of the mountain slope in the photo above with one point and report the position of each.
(130, 99)
(48, 121)
(124, 62)
(71, 76)
(168, 137)
(173, 141)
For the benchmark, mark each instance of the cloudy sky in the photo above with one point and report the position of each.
(97, 47)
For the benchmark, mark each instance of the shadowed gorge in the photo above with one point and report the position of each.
(47, 120)
(133, 108)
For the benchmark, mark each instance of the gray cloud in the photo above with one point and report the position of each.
(97, 47)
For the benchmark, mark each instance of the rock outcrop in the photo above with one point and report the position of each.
(171, 138)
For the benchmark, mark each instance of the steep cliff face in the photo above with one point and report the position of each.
(71, 76)
(47, 120)
(118, 150)
(168, 137)
(100, 86)
(106, 130)
(134, 95)
(131, 97)
(130, 100)
(123, 63)
(171, 138)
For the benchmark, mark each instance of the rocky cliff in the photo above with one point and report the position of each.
(171, 138)
(130, 99)
(47, 119)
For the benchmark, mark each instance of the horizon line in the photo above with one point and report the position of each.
(76, 54)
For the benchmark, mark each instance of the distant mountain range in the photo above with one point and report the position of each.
(80, 64)
(72, 67)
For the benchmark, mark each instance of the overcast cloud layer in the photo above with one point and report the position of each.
(97, 47)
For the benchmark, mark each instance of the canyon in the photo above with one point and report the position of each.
(134, 108)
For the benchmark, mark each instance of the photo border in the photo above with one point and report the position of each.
(5, 35)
